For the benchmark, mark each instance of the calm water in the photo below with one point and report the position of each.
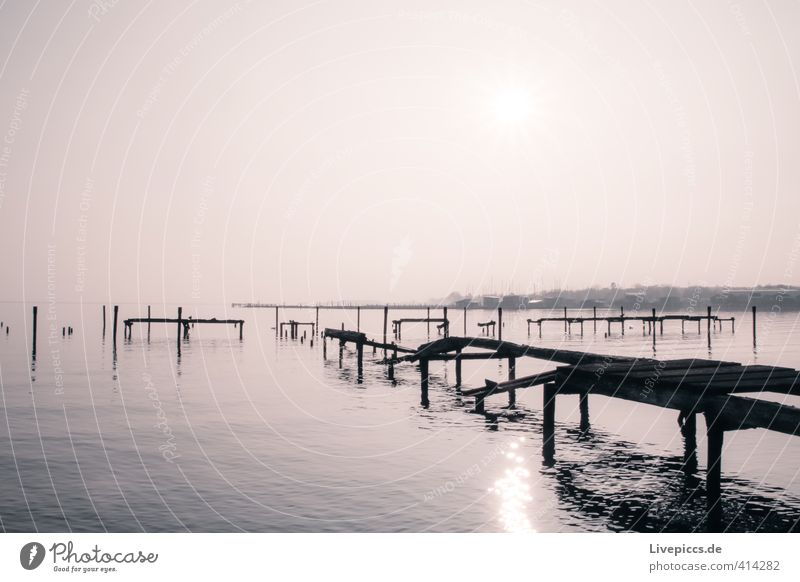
(263, 435)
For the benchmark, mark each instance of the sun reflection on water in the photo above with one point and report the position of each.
(513, 491)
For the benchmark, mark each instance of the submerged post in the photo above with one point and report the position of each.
(423, 373)
(458, 367)
(358, 318)
(584, 408)
(512, 375)
(317, 321)
(689, 432)
(549, 423)
(428, 318)
(465, 321)
(565, 319)
(180, 316)
(360, 359)
(104, 321)
(277, 327)
(148, 323)
(708, 326)
(446, 323)
(715, 436)
(594, 317)
(754, 326)
(654, 329)
(500, 323)
(241, 325)
(385, 320)
(35, 322)
(114, 326)
(622, 318)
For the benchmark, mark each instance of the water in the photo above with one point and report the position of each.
(263, 435)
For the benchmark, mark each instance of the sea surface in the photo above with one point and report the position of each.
(214, 433)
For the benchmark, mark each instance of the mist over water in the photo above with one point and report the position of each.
(263, 434)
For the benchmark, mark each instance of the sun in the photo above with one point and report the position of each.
(512, 106)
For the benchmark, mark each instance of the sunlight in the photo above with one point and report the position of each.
(512, 106)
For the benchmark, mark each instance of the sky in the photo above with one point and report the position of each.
(394, 151)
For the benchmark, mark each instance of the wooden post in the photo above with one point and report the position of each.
(428, 317)
(549, 423)
(500, 323)
(360, 360)
(540, 330)
(683, 322)
(715, 436)
(622, 318)
(733, 325)
(316, 320)
(581, 327)
(654, 328)
(565, 319)
(583, 404)
(689, 432)
(709, 326)
(446, 323)
(104, 321)
(324, 347)
(35, 325)
(512, 375)
(358, 318)
(114, 326)
(391, 361)
(385, 320)
(458, 367)
(423, 373)
(277, 327)
(754, 326)
(148, 323)
(180, 316)
(241, 325)
(594, 317)
(465, 322)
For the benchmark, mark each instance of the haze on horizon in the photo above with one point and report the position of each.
(217, 151)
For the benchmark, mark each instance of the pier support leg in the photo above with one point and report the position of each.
(360, 361)
(594, 318)
(277, 327)
(458, 368)
(754, 326)
(104, 321)
(385, 320)
(35, 325)
(423, 374)
(114, 327)
(714, 475)
(148, 323)
(584, 408)
(428, 317)
(549, 424)
(324, 348)
(709, 326)
(446, 323)
(341, 352)
(241, 330)
(688, 423)
(500, 323)
(512, 375)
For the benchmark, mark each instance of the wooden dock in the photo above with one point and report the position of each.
(710, 388)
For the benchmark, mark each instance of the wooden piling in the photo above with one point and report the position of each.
(465, 322)
(583, 405)
(565, 319)
(316, 327)
(104, 321)
(180, 316)
(715, 436)
(385, 321)
(360, 359)
(358, 318)
(446, 322)
(709, 326)
(500, 323)
(241, 325)
(594, 318)
(458, 368)
(423, 373)
(689, 432)
(428, 317)
(277, 326)
(622, 318)
(512, 375)
(114, 326)
(654, 328)
(549, 423)
(148, 323)
(754, 326)
(35, 325)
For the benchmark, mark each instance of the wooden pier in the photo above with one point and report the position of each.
(294, 328)
(443, 326)
(692, 387)
(648, 322)
(183, 323)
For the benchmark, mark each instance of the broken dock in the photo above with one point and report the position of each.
(692, 387)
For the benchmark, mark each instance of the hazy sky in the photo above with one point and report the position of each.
(302, 151)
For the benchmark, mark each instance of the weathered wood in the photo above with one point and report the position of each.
(549, 423)
(492, 387)
(715, 436)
